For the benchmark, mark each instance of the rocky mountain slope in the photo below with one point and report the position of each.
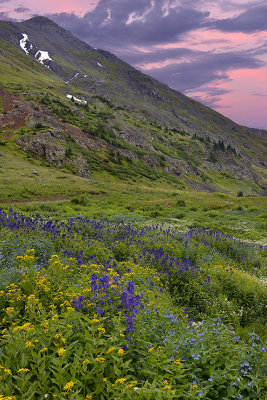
(84, 109)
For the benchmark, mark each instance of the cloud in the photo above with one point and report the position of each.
(201, 68)
(142, 22)
(21, 9)
(134, 31)
(252, 20)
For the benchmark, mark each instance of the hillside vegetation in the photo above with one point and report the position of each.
(132, 232)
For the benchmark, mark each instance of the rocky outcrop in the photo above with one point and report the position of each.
(80, 166)
(43, 145)
(46, 147)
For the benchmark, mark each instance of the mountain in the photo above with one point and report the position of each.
(85, 110)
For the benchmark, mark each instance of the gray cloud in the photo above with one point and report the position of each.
(149, 25)
(201, 68)
(252, 20)
(211, 96)
(21, 9)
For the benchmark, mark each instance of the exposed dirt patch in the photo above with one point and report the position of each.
(203, 187)
(16, 110)
(8, 100)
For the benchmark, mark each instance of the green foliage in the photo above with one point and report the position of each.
(180, 203)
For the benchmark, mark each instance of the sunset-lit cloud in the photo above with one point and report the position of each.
(212, 50)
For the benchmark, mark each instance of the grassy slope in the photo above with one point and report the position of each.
(105, 195)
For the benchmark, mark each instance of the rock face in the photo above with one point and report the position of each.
(44, 146)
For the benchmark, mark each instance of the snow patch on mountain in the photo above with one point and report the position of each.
(71, 79)
(69, 96)
(23, 43)
(42, 56)
(100, 65)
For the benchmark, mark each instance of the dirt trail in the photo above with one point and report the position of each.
(42, 201)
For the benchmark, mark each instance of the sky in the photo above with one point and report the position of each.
(214, 51)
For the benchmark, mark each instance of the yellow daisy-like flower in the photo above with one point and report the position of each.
(86, 361)
(102, 330)
(120, 380)
(88, 397)
(43, 350)
(8, 371)
(100, 360)
(10, 310)
(194, 387)
(69, 386)
(23, 370)
(177, 362)
(110, 350)
(105, 379)
(29, 344)
(120, 352)
(61, 351)
(95, 321)
(151, 349)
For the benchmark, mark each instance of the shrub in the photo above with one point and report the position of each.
(181, 203)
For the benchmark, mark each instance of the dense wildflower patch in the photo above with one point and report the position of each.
(94, 310)
(111, 334)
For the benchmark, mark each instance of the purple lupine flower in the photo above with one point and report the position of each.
(94, 282)
(124, 296)
(130, 287)
(129, 324)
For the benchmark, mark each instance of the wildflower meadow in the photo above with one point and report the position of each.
(104, 310)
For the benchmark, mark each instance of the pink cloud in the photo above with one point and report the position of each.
(79, 7)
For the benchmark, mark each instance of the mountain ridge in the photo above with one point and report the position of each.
(140, 112)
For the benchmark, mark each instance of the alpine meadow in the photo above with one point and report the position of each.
(133, 227)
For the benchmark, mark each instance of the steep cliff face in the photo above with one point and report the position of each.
(107, 107)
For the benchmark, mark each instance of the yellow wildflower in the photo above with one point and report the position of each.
(104, 379)
(69, 386)
(10, 310)
(23, 370)
(8, 371)
(177, 362)
(100, 360)
(86, 361)
(29, 344)
(120, 380)
(151, 349)
(129, 386)
(61, 351)
(102, 330)
(194, 387)
(43, 350)
(120, 352)
(95, 321)
(110, 350)
(88, 397)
